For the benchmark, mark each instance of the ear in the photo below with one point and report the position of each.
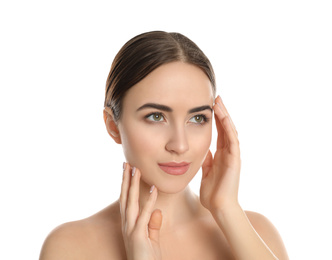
(111, 126)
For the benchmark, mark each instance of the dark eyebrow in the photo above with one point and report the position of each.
(157, 106)
(198, 109)
(168, 109)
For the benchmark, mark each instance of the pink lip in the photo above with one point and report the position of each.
(174, 168)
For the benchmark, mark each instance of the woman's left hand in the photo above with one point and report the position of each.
(221, 174)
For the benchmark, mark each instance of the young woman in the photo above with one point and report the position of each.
(159, 104)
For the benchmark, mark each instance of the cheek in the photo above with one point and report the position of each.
(200, 142)
(139, 144)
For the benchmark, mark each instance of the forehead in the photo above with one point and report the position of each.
(173, 84)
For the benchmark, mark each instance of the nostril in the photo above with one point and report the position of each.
(178, 143)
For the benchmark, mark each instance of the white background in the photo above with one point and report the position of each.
(273, 63)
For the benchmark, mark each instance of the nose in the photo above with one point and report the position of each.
(177, 142)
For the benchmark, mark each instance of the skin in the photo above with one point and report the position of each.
(171, 222)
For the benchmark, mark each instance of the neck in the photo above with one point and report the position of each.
(177, 209)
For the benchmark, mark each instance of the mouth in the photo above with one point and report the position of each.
(174, 168)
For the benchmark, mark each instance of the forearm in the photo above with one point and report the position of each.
(244, 241)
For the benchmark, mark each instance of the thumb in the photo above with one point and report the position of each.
(207, 164)
(155, 225)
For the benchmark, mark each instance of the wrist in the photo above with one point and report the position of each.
(227, 210)
(226, 207)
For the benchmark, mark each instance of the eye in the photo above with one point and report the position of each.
(155, 117)
(199, 119)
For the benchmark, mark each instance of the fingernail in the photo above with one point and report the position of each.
(152, 188)
(133, 171)
(219, 106)
(124, 166)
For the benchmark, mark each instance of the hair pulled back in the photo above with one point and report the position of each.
(143, 54)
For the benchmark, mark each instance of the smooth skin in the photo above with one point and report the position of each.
(171, 222)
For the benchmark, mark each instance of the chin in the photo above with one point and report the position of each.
(169, 184)
(171, 189)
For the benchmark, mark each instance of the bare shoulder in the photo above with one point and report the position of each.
(268, 232)
(96, 237)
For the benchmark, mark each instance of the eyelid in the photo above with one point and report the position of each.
(155, 113)
(206, 119)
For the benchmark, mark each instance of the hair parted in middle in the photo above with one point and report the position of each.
(143, 54)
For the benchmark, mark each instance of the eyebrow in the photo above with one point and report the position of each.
(168, 109)
(198, 109)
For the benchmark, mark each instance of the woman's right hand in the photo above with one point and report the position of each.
(140, 229)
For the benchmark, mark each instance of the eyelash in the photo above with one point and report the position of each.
(204, 120)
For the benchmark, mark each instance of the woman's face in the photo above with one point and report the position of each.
(167, 119)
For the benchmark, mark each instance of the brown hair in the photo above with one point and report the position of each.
(144, 53)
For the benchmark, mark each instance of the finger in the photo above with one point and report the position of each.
(232, 137)
(132, 211)
(219, 100)
(223, 108)
(207, 164)
(222, 140)
(124, 191)
(145, 216)
(155, 225)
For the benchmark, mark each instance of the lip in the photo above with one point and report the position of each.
(174, 168)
